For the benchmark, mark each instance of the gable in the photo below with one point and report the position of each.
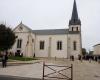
(22, 28)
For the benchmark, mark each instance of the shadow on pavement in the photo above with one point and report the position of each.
(16, 64)
(5, 77)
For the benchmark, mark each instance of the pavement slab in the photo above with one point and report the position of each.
(81, 70)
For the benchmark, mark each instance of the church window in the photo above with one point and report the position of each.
(19, 43)
(59, 45)
(41, 45)
(74, 45)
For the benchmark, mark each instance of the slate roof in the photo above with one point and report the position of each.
(51, 31)
(74, 12)
(75, 19)
(54, 32)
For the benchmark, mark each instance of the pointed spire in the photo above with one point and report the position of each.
(74, 19)
(74, 13)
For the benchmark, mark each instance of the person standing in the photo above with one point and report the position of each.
(4, 59)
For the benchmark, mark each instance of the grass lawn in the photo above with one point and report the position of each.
(21, 58)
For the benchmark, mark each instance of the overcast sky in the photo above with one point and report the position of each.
(53, 14)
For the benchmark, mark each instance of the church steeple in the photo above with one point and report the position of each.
(75, 19)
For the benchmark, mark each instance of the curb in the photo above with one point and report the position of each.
(24, 62)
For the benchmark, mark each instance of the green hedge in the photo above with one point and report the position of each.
(21, 58)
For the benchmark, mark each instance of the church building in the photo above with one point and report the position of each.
(60, 43)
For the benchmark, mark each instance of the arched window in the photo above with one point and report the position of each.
(59, 45)
(74, 45)
(42, 45)
(19, 43)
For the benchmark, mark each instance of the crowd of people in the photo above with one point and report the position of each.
(92, 58)
(87, 57)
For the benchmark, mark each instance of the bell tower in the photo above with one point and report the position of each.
(74, 36)
(74, 22)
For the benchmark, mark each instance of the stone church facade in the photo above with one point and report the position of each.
(60, 43)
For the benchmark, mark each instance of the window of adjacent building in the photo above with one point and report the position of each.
(19, 43)
(41, 45)
(74, 45)
(59, 45)
(32, 40)
(72, 28)
(77, 28)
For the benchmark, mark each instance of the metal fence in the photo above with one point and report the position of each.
(55, 71)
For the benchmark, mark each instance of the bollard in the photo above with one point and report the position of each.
(55, 58)
(71, 71)
(43, 70)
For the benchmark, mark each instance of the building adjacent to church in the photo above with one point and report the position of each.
(60, 43)
(96, 51)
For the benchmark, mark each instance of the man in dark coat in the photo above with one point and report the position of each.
(4, 60)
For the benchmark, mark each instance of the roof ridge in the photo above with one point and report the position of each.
(22, 25)
(25, 26)
(49, 29)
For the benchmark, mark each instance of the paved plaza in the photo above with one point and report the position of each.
(81, 70)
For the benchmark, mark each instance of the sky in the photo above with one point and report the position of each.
(54, 14)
